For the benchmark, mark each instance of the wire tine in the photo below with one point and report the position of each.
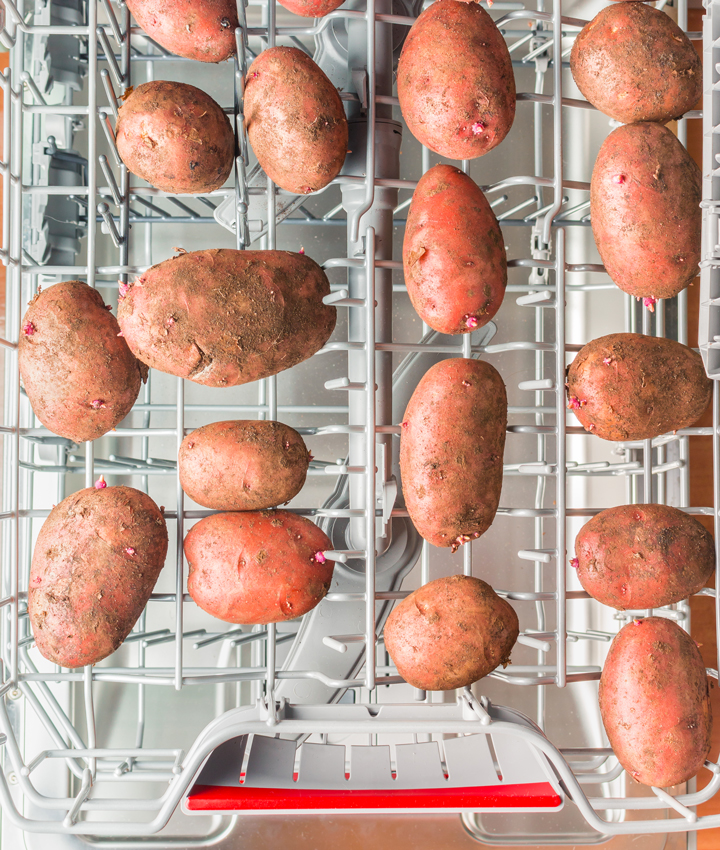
(149, 205)
(34, 90)
(7, 40)
(171, 636)
(89, 712)
(109, 55)
(14, 13)
(183, 207)
(110, 177)
(206, 201)
(112, 20)
(110, 134)
(104, 211)
(109, 91)
(215, 638)
(179, 538)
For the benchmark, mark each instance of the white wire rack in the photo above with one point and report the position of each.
(112, 212)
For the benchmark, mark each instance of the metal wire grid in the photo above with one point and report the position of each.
(84, 759)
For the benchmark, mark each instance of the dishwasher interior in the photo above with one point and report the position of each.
(106, 755)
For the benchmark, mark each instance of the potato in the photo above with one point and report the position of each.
(450, 633)
(295, 120)
(655, 702)
(243, 465)
(225, 317)
(455, 81)
(176, 137)
(311, 8)
(645, 211)
(80, 376)
(196, 30)
(257, 566)
(634, 387)
(634, 63)
(451, 451)
(95, 564)
(453, 253)
(643, 556)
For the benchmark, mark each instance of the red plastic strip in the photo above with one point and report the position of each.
(216, 798)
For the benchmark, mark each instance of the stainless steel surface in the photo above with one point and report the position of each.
(139, 716)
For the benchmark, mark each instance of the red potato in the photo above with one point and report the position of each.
(455, 81)
(243, 465)
(176, 137)
(78, 372)
(257, 566)
(655, 702)
(634, 387)
(311, 8)
(453, 253)
(634, 63)
(223, 317)
(450, 633)
(643, 556)
(295, 120)
(645, 211)
(195, 29)
(95, 564)
(451, 451)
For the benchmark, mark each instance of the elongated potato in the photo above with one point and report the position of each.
(635, 387)
(453, 253)
(224, 317)
(451, 451)
(450, 633)
(243, 465)
(196, 29)
(455, 81)
(645, 211)
(95, 564)
(634, 63)
(643, 556)
(79, 374)
(257, 566)
(655, 702)
(295, 120)
(176, 137)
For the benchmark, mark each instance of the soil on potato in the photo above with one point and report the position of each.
(95, 563)
(176, 137)
(634, 63)
(295, 120)
(224, 317)
(634, 387)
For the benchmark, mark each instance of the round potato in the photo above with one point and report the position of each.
(176, 137)
(257, 566)
(655, 702)
(295, 120)
(643, 556)
(455, 81)
(204, 31)
(450, 633)
(78, 372)
(95, 564)
(225, 317)
(243, 465)
(451, 451)
(645, 211)
(634, 387)
(634, 63)
(453, 253)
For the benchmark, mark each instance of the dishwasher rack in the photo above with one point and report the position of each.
(68, 47)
